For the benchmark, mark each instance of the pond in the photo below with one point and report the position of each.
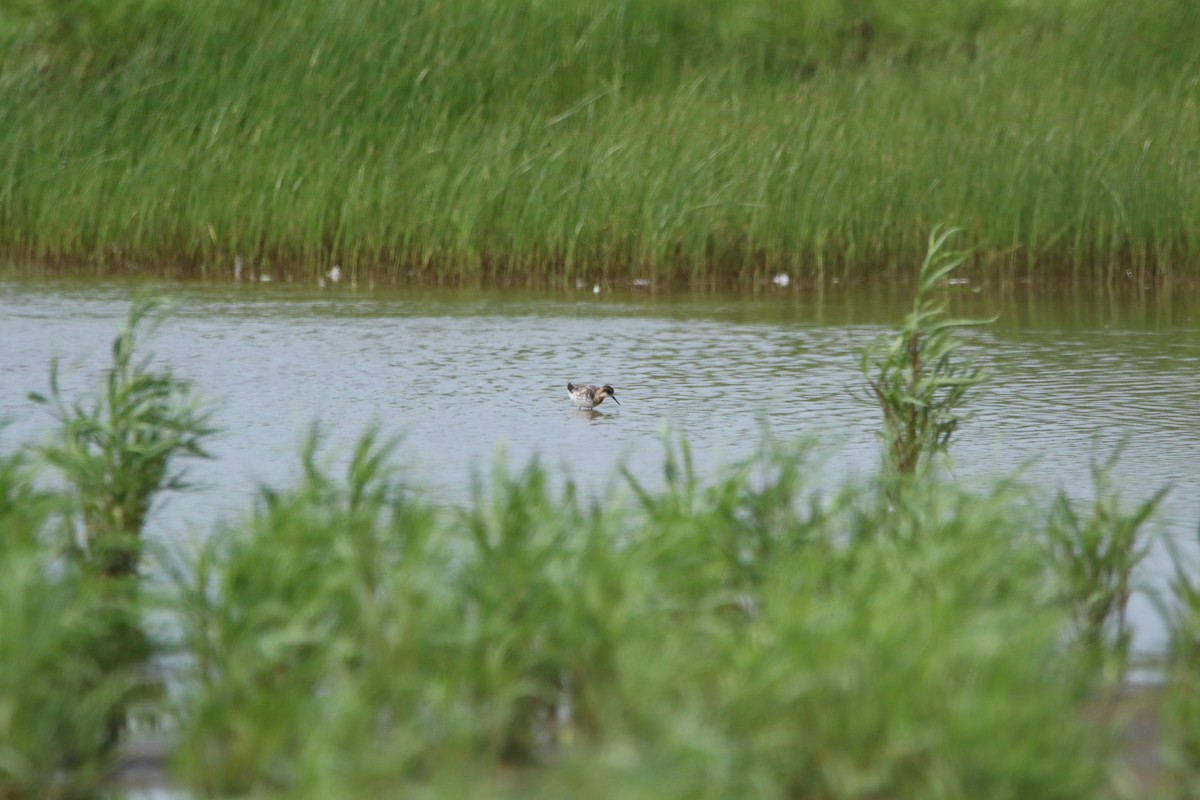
(464, 375)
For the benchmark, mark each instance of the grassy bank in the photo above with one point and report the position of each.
(542, 142)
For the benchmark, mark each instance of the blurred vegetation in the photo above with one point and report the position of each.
(1181, 609)
(59, 690)
(638, 651)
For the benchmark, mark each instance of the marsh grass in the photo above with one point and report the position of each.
(536, 143)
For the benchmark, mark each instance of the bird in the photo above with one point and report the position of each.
(590, 396)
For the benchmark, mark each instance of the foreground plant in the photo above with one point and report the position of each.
(712, 639)
(117, 452)
(1181, 706)
(352, 611)
(914, 374)
(57, 696)
(1096, 555)
(298, 624)
(922, 663)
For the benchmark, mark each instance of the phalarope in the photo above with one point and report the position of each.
(591, 396)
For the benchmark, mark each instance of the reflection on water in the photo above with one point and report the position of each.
(460, 374)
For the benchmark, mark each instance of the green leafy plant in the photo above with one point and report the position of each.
(118, 450)
(923, 662)
(57, 698)
(915, 375)
(1095, 555)
(1181, 689)
(716, 638)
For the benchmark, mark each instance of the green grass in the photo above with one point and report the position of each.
(538, 142)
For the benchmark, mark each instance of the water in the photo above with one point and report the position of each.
(460, 375)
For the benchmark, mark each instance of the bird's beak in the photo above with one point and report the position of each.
(613, 397)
